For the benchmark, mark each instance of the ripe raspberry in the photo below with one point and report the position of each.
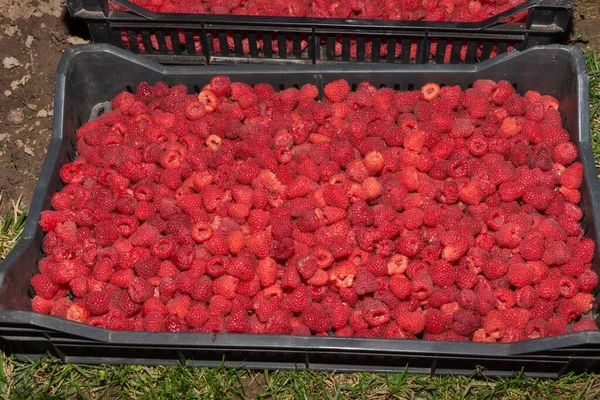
(98, 303)
(337, 91)
(588, 281)
(564, 153)
(279, 324)
(226, 286)
(442, 274)
(568, 309)
(584, 324)
(549, 289)
(44, 287)
(299, 299)
(316, 318)
(106, 233)
(572, 177)
(520, 275)
(465, 322)
(584, 301)
(365, 282)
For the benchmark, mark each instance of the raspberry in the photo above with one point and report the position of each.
(44, 287)
(365, 282)
(337, 91)
(549, 289)
(584, 301)
(140, 290)
(442, 274)
(572, 177)
(241, 268)
(299, 299)
(122, 278)
(520, 275)
(584, 324)
(455, 243)
(536, 328)
(105, 233)
(564, 153)
(316, 318)
(568, 309)
(465, 322)
(588, 281)
(97, 303)
(556, 252)
(64, 272)
(279, 324)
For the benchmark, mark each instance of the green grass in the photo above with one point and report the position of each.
(11, 226)
(593, 65)
(50, 379)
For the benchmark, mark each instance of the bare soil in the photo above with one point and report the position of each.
(33, 35)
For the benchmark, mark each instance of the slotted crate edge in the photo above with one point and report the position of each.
(547, 21)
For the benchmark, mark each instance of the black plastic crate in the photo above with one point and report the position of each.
(86, 78)
(218, 39)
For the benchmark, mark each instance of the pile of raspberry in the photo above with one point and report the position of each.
(438, 213)
(396, 10)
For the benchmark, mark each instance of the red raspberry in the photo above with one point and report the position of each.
(64, 272)
(584, 324)
(105, 233)
(536, 328)
(41, 305)
(542, 309)
(216, 245)
(122, 278)
(568, 309)
(309, 92)
(455, 243)
(365, 282)
(465, 322)
(140, 290)
(564, 153)
(173, 323)
(299, 299)
(337, 91)
(549, 289)
(238, 321)
(526, 297)
(442, 274)
(588, 281)
(225, 286)
(520, 275)
(98, 303)
(279, 324)
(584, 301)
(556, 252)
(241, 268)
(413, 322)
(316, 318)
(435, 322)
(374, 312)
(264, 91)
(44, 287)
(220, 86)
(572, 177)
(494, 324)
(553, 134)
(259, 244)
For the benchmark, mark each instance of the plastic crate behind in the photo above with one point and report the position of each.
(235, 39)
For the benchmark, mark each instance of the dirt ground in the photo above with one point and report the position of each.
(34, 33)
